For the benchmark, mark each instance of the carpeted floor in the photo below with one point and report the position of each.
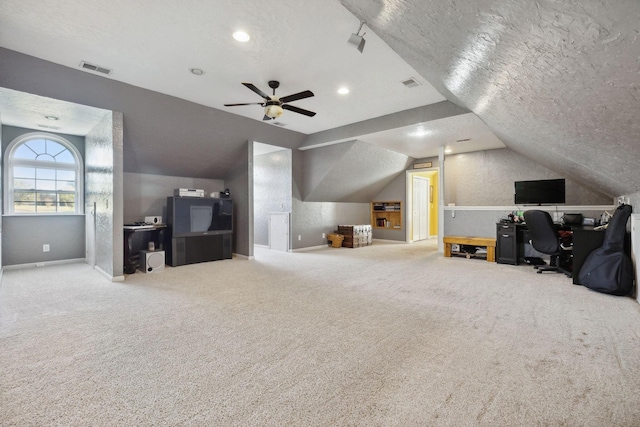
(386, 335)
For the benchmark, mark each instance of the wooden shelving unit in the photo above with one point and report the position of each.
(386, 215)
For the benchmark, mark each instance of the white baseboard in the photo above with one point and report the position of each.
(43, 264)
(311, 248)
(245, 257)
(108, 276)
(388, 241)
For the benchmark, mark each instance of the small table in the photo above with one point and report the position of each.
(488, 242)
(131, 253)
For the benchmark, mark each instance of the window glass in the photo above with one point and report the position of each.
(24, 184)
(53, 187)
(24, 152)
(46, 157)
(45, 173)
(54, 148)
(66, 175)
(23, 172)
(37, 145)
(65, 157)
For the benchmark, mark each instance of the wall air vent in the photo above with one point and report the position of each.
(49, 127)
(411, 82)
(96, 68)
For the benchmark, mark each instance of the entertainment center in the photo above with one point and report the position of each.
(198, 230)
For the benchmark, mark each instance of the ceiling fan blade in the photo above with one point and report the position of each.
(298, 110)
(297, 96)
(248, 103)
(256, 90)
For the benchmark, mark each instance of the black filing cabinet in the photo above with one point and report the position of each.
(506, 244)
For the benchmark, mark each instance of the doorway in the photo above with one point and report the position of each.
(420, 208)
(422, 204)
(272, 194)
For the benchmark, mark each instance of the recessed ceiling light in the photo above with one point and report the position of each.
(420, 132)
(343, 90)
(54, 118)
(448, 151)
(241, 36)
(196, 71)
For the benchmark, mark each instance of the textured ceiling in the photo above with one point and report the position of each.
(153, 46)
(556, 81)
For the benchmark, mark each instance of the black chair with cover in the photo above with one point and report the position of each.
(546, 239)
(609, 269)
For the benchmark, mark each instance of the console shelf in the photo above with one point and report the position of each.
(386, 215)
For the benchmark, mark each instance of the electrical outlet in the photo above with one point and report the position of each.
(323, 235)
(299, 237)
(46, 248)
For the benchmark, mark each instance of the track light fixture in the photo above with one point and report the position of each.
(357, 40)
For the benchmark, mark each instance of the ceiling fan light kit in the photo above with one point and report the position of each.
(273, 111)
(274, 106)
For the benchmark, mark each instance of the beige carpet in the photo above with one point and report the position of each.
(386, 335)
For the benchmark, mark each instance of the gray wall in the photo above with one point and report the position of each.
(65, 235)
(24, 236)
(146, 195)
(103, 186)
(311, 219)
(485, 178)
(272, 190)
(240, 183)
(482, 222)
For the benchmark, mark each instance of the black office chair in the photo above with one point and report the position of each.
(545, 238)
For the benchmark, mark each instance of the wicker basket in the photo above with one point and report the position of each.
(336, 240)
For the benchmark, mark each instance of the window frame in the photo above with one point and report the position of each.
(9, 162)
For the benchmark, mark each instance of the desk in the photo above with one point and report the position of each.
(137, 239)
(512, 242)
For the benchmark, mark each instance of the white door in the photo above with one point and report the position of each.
(279, 231)
(420, 207)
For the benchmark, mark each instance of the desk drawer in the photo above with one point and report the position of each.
(506, 244)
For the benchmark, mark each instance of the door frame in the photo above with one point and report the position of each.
(409, 201)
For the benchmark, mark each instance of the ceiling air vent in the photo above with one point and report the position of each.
(411, 82)
(96, 68)
(463, 140)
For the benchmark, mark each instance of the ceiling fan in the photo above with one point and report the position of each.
(274, 106)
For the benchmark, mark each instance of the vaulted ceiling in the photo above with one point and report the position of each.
(557, 81)
(554, 81)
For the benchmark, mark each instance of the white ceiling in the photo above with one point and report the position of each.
(302, 44)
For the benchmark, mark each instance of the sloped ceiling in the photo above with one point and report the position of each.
(352, 171)
(557, 82)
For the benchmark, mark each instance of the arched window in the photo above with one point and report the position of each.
(43, 175)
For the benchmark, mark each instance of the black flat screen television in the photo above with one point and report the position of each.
(190, 216)
(540, 192)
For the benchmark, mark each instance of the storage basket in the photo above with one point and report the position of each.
(336, 240)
